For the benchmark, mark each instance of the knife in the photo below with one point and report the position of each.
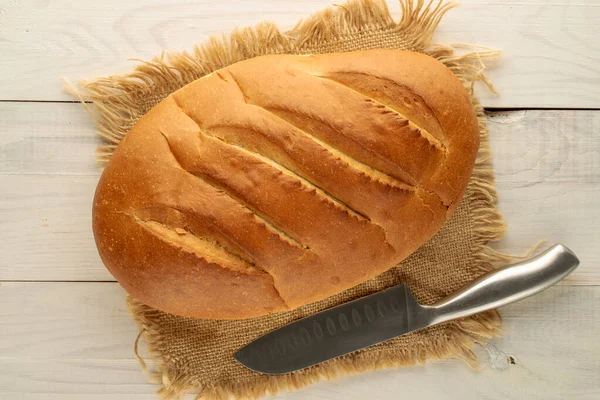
(394, 312)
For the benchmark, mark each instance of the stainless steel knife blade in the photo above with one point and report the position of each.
(335, 332)
(394, 312)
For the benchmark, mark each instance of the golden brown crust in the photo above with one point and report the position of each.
(281, 180)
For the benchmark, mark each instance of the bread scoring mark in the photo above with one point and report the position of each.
(425, 204)
(406, 179)
(320, 191)
(371, 172)
(423, 134)
(431, 113)
(244, 96)
(434, 141)
(265, 219)
(221, 76)
(278, 111)
(262, 220)
(210, 251)
(437, 196)
(361, 169)
(331, 199)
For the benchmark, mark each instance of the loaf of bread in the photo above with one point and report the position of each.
(281, 180)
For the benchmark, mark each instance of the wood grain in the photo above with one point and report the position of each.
(547, 165)
(76, 339)
(46, 229)
(65, 320)
(551, 59)
(51, 39)
(46, 139)
(550, 54)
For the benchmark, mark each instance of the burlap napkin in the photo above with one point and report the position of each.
(196, 355)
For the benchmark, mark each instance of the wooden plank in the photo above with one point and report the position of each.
(547, 167)
(65, 320)
(76, 339)
(74, 39)
(69, 378)
(550, 58)
(46, 229)
(48, 175)
(46, 138)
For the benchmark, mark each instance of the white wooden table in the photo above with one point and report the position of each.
(64, 329)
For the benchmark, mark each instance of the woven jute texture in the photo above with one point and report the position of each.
(196, 355)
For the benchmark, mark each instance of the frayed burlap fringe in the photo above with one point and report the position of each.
(176, 382)
(119, 101)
